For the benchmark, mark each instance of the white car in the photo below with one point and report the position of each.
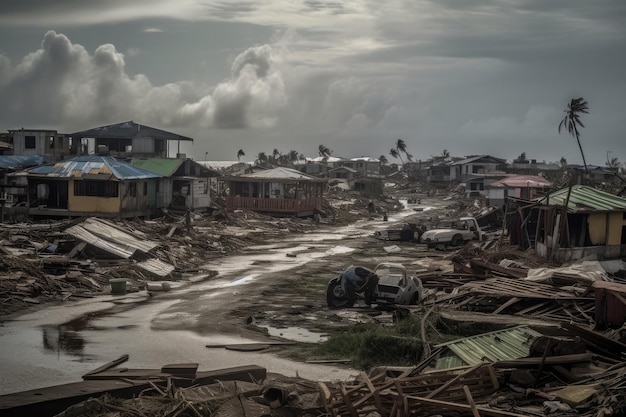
(456, 233)
(395, 286)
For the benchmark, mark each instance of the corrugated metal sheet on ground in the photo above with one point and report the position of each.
(156, 267)
(107, 229)
(508, 344)
(81, 233)
(105, 236)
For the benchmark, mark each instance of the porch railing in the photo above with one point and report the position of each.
(278, 205)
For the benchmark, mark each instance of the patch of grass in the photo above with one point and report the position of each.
(370, 345)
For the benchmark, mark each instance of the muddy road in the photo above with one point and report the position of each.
(274, 289)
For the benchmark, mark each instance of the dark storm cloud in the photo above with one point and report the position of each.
(61, 83)
(471, 76)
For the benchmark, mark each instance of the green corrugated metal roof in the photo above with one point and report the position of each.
(508, 344)
(162, 166)
(585, 199)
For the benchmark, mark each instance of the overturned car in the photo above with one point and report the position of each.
(386, 285)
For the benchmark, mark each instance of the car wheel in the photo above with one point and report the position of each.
(336, 297)
(457, 240)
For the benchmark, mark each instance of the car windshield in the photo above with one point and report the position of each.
(389, 275)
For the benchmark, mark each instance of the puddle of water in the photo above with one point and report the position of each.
(296, 334)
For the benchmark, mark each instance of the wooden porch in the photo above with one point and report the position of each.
(298, 207)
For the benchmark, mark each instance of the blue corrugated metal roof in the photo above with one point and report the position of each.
(585, 199)
(16, 162)
(95, 165)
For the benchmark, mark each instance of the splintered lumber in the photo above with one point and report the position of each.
(519, 288)
(548, 360)
(446, 405)
(389, 396)
(52, 400)
(480, 265)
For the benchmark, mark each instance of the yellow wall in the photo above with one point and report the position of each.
(598, 228)
(616, 222)
(91, 204)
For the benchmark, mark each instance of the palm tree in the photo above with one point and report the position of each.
(393, 152)
(521, 159)
(563, 162)
(383, 160)
(571, 122)
(401, 149)
(261, 158)
(324, 151)
(240, 153)
(445, 153)
(293, 156)
(613, 163)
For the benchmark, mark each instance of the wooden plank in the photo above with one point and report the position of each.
(462, 407)
(108, 365)
(454, 380)
(549, 360)
(470, 400)
(50, 401)
(509, 303)
(346, 400)
(373, 393)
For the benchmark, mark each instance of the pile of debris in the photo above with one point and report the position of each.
(64, 260)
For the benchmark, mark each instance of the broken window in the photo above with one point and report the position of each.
(95, 188)
(29, 142)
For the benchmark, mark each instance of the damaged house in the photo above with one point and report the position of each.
(573, 223)
(128, 140)
(185, 184)
(91, 186)
(280, 191)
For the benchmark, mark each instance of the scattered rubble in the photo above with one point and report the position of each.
(558, 348)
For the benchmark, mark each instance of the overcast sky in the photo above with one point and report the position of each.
(470, 76)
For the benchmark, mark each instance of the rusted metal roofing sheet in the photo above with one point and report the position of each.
(507, 344)
(584, 199)
(128, 130)
(106, 236)
(93, 165)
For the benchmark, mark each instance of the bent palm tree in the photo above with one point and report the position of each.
(571, 122)
(324, 151)
(613, 163)
(261, 158)
(393, 152)
(240, 153)
(401, 149)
